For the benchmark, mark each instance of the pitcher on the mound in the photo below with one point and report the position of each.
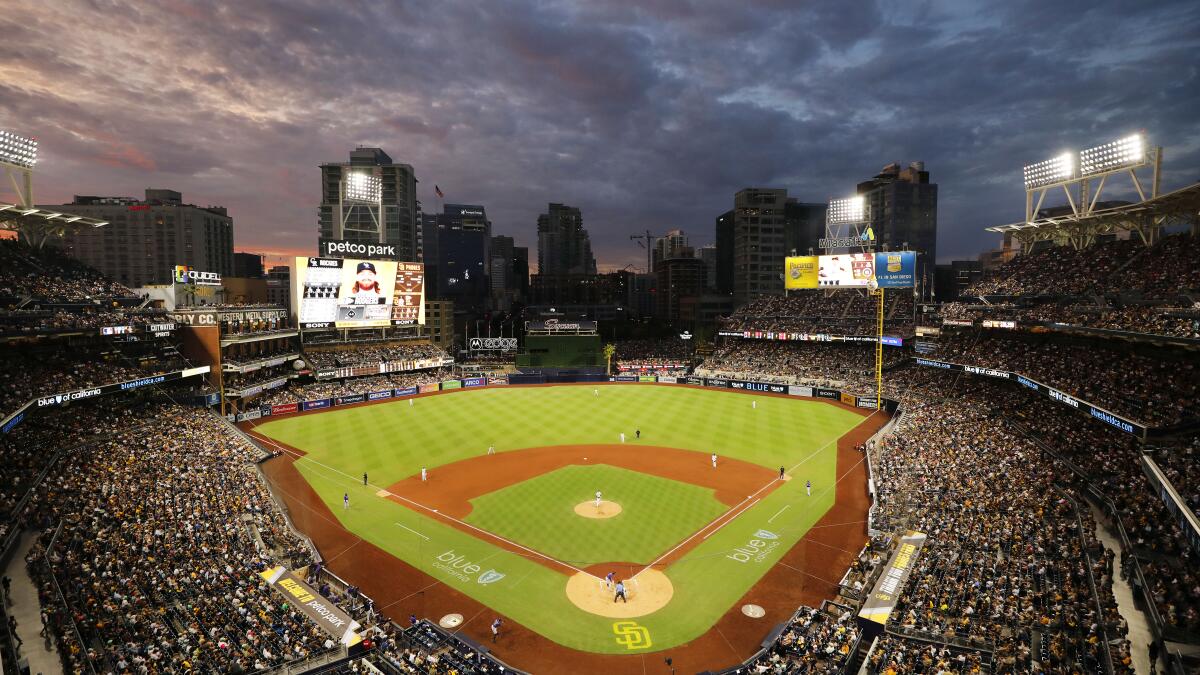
(597, 499)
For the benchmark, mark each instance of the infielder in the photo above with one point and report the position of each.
(808, 487)
(491, 449)
(620, 593)
(781, 473)
(346, 501)
(364, 479)
(424, 475)
(622, 436)
(597, 499)
(714, 459)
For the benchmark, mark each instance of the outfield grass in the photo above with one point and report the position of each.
(393, 441)
(656, 513)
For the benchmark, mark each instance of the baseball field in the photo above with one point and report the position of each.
(520, 531)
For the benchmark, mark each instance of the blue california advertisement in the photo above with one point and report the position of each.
(896, 269)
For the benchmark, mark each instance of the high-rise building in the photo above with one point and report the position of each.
(673, 244)
(370, 199)
(462, 263)
(279, 286)
(146, 239)
(520, 270)
(563, 245)
(903, 212)
(758, 243)
(678, 278)
(247, 265)
(724, 278)
(708, 255)
(804, 225)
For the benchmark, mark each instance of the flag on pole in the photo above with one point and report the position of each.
(438, 190)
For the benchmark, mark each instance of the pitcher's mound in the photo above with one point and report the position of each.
(606, 509)
(649, 592)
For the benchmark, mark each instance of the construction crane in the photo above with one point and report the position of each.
(649, 246)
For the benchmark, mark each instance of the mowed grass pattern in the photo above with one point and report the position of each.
(656, 514)
(392, 441)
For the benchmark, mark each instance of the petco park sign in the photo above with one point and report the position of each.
(341, 248)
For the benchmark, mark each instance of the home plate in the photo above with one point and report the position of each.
(451, 621)
(753, 611)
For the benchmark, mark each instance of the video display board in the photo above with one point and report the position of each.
(408, 302)
(896, 269)
(344, 292)
(801, 272)
(846, 270)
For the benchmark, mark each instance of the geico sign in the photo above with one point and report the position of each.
(59, 399)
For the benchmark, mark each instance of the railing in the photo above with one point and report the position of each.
(1108, 663)
(62, 600)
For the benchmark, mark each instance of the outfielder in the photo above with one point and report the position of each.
(346, 501)
(754, 405)
(622, 436)
(410, 401)
(808, 487)
(491, 449)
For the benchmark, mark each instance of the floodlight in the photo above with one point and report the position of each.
(17, 149)
(1127, 152)
(1050, 171)
(363, 187)
(849, 210)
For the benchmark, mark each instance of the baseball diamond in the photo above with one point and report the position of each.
(502, 531)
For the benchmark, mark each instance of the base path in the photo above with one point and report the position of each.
(478, 476)
(650, 592)
(606, 509)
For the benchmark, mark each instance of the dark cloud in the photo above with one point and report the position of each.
(646, 114)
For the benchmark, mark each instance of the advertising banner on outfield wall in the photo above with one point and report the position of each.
(451, 384)
(379, 395)
(317, 405)
(865, 402)
(795, 390)
(827, 393)
(284, 408)
(493, 381)
(428, 387)
(347, 400)
(848, 399)
(885, 594)
(715, 382)
(318, 609)
(625, 378)
(474, 382)
(1096, 412)
(265, 411)
(695, 380)
(668, 379)
(407, 391)
(647, 378)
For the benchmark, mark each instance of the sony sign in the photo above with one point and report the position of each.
(341, 248)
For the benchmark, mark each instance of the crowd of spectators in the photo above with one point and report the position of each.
(351, 386)
(1057, 270)
(149, 564)
(843, 312)
(1173, 321)
(50, 275)
(799, 362)
(86, 318)
(815, 642)
(1152, 388)
(371, 353)
(1005, 569)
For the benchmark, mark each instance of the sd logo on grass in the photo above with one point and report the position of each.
(631, 636)
(490, 576)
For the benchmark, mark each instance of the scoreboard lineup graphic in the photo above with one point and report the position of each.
(467, 508)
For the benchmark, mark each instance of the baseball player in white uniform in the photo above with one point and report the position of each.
(424, 475)
(714, 460)
(597, 499)
(622, 436)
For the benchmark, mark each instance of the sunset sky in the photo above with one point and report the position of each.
(646, 114)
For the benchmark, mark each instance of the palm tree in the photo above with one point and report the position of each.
(609, 350)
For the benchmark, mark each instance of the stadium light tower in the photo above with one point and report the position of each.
(361, 190)
(18, 155)
(1076, 171)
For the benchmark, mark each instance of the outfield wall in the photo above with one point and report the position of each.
(867, 402)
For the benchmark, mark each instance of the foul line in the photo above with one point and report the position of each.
(414, 532)
(298, 457)
(785, 508)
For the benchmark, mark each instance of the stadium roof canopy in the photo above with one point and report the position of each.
(1146, 218)
(37, 225)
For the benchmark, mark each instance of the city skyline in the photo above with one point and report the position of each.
(643, 118)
